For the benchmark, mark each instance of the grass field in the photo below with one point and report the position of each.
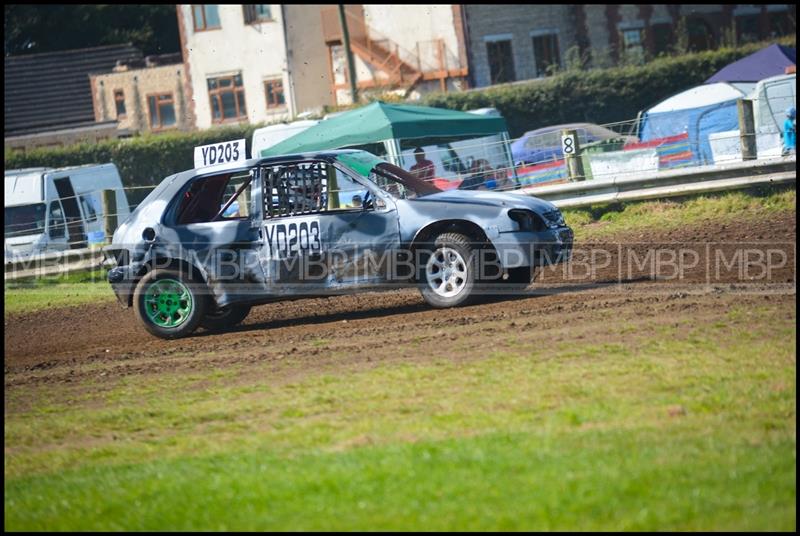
(611, 420)
(679, 428)
(601, 221)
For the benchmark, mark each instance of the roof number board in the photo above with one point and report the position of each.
(219, 153)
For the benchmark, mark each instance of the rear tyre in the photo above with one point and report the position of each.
(447, 271)
(170, 303)
(226, 317)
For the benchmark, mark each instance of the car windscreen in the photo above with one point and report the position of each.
(25, 220)
(399, 182)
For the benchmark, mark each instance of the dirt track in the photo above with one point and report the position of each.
(105, 341)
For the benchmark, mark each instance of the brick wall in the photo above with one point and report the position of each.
(519, 20)
(595, 27)
(136, 85)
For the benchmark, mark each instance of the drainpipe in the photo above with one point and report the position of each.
(467, 46)
(292, 103)
(351, 69)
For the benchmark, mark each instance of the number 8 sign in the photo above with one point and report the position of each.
(568, 144)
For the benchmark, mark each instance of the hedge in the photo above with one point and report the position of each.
(595, 96)
(142, 161)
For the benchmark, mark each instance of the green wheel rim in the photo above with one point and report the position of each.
(168, 303)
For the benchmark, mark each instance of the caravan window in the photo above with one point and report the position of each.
(24, 220)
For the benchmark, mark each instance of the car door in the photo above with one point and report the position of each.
(211, 227)
(324, 230)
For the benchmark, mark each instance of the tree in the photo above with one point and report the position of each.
(46, 28)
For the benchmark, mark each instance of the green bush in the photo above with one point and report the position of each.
(597, 96)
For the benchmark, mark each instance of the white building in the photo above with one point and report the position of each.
(410, 48)
(270, 62)
(236, 65)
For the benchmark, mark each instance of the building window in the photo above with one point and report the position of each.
(662, 37)
(633, 45)
(501, 61)
(257, 13)
(119, 100)
(545, 53)
(227, 98)
(162, 111)
(274, 90)
(701, 36)
(747, 29)
(206, 17)
(781, 23)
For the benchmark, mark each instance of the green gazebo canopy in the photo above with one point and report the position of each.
(379, 121)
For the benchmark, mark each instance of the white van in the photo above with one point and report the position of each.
(50, 210)
(266, 137)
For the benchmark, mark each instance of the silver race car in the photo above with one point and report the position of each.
(208, 244)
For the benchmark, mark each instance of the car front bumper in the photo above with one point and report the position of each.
(123, 282)
(520, 248)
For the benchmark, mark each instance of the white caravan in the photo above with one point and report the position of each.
(58, 209)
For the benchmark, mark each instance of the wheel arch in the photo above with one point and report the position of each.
(465, 227)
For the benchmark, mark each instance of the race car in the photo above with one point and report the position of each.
(209, 243)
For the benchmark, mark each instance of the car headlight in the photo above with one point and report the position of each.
(527, 220)
(554, 218)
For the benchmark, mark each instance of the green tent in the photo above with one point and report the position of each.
(387, 123)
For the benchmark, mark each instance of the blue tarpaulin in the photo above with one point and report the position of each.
(697, 122)
(698, 112)
(769, 61)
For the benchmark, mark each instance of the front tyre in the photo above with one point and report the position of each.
(169, 303)
(226, 317)
(448, 272)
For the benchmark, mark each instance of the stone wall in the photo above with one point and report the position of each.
(136, 85)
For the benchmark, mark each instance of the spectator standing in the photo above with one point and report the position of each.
(423, 169)
(790, 132)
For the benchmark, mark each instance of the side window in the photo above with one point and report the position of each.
(216, 198)
(88, 209)
(308, 188)
(346, 192)
(55, 227)
(236, 199)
